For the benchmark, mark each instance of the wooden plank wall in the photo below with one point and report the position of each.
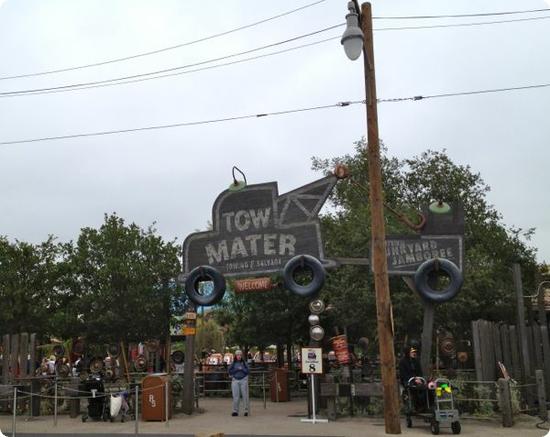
(494, 342)
(18, 355)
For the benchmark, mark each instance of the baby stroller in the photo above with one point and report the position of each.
(432, 402)
(95, 392)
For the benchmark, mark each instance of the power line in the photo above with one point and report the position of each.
(464, 93)
(256, 23)
(165, 49)
(166, 70)
(179, 73)
(191, 123)
(480, 14)
(158, 74)
(267, 114)
(480, 23)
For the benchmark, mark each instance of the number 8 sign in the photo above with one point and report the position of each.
(312, 360)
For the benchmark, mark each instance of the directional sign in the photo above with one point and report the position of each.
(405, 254)
(256, 231)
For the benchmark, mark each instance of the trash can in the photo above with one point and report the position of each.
(153, 397)
(280, 385)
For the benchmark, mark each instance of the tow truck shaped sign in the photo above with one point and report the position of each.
(256, 231)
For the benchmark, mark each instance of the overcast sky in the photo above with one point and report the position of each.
(172, 176)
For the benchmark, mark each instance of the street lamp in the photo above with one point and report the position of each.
(353, 40)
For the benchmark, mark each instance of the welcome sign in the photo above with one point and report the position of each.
(256, 230)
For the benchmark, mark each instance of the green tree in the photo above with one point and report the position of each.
(122, 284)
(31, 285)
(209, 335)
(410, 184)
(264, 318)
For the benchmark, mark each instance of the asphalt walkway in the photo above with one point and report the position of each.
(278, 419)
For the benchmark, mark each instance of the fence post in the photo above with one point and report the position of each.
(263, 388)
(505, 402)
(55, 403)
(166, 400)
(541, 392)
(136, 410)
(13, 426)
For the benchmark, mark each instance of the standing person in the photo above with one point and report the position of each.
(239, 383)
(410, 373)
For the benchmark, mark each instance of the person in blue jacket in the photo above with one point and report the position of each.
(239, 383)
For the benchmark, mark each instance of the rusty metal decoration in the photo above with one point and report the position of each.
(78, 347)
(62, 370)
(140, 364)
(462, 356)
(58, 350)
(447, 346)
(96, 365)
(113, 350)
(152, 346)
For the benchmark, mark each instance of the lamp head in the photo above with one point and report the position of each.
(352, 39)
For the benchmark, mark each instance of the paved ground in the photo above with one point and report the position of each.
(278, 419)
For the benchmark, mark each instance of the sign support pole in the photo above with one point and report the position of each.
(188, 375)
(314, 418)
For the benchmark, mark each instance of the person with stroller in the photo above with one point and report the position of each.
(411, 376)
(238, 371)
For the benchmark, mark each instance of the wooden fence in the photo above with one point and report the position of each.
(18, 356)
(494, 342)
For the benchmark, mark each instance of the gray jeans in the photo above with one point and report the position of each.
(239, 387)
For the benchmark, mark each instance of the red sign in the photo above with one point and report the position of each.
(256, 284)
(340, 347)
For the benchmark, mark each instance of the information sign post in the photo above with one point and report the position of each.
(312, 364)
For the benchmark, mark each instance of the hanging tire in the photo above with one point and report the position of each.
(429, 267)
(317, 270)
(205, 273)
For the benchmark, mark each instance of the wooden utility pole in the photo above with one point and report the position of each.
(378, 235)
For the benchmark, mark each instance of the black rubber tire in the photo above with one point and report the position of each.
(422, 275)
(318, 272)
(456, 428)
(434, 427)
(205, 273)
(409, 422)
(178, 357)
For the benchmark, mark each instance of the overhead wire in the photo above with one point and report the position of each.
(195, 70)
(159, 73)
(479, 23)
(183, 124)
(275, 113)
(166, 70)
(478, 14)
(257, 23)
(464, 93)
(165, 49)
